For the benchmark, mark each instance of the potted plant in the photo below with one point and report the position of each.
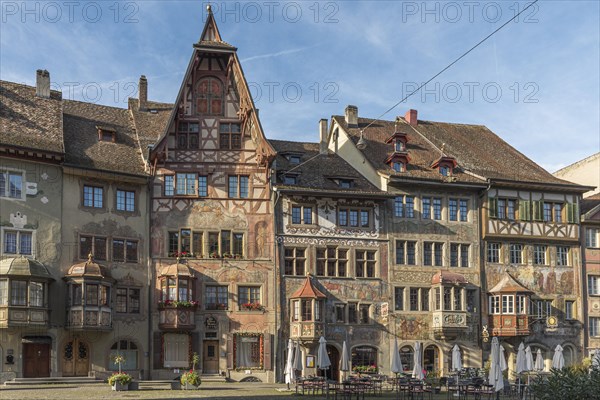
(120, 380)
(191, 380)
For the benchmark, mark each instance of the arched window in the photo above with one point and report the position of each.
(364, 359)
(209, 96)
(407, 358)
(128, 350)
(569, 355)
(431, 359)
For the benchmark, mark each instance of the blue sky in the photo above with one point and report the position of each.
(535, 83)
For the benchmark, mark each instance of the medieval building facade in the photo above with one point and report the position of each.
(161, 231)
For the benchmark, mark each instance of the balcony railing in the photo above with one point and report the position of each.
(510, 325)
(24, 316)
(89, 318)
(306, 330)
(180, 318)
(448, 323)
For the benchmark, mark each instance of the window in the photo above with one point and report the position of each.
(11, 184)
(418, 299)
(471, 300)
(502, 208)
(540, 308)
(437, 208)
(453, 209)
(591, 237)
(507, 208)
(125, 250)
(302, 215)
(562, 256)
(508, 304)
(407, 357)
(445, 170)
(363, 312)
(539, 254)
(344, 183)
(398, 298)
(332, 261)
(426, 207)
(552, 212)
(340, 313)
(463, 210)
(364, 356)
(169, 185)
(127, 300)
(511, 209)
(128, 350)
(493, 252)
(353, 217)
(216, 298)
(176, 347)
(365, 262)
(230, 136)
(18, 242)
(398, 166)
(406, 252)
(185, 184)
(209, 96)
(248, 350)
(125, 200)
(248, 295)
(399, 145)
(594, 326)
(433, 253)
(459, 255)
(94, 245)
(516, 253)
(404, 207)
(187, 135)
(295, 261)
(202, 186)
(93, 196)
(294, 159)
(494, 304)
(290, 179)
(238, 186)
(186, 243)
(569, 309)
(176, 288)
(594, 285)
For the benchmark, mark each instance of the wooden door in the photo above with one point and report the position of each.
(210, 357)
(75, 358)
(36, 360)
(333, 372)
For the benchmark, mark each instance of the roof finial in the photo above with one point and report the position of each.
(209, 8)
(443, 147)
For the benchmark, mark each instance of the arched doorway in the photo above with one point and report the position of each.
(407, 358)
(431, 359)
(333, 373)
(76, 358)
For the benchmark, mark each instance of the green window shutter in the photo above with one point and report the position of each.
(572, 213)
(524, 210)
(569, 212)
(493, 207)
(538, 210)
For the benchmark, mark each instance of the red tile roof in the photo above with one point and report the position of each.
(307, 291)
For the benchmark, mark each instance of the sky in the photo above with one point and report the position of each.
(535, 82)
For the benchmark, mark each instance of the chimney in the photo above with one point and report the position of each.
(143, 93)
(323, 145)
(411, 117)
(352, 116)
(42, 83)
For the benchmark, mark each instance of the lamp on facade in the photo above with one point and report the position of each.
(362, 143)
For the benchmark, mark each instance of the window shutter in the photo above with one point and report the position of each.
(572, 213)
(157, 350)
(538, 210)
(267, 351)
(524, 210)
(493, 207)
(230, 339)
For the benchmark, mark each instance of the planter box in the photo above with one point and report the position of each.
(176, 385)
(120, 388)
(189, 386)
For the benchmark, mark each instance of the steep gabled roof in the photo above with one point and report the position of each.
(150, 123)
(508, 284)
(590, 206)
(307, 291)
(82, 147)
(29, 121)
(316, 172)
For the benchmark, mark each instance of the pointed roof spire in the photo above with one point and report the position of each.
(307, 290)
(211, 37)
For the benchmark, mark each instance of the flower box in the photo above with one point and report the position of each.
(120, 387)
(252, 307)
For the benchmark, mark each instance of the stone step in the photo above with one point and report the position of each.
(78, 380)
(213, 378)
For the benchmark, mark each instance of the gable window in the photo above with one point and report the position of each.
(187, 135)
(459, 255)
(94, 245)
(406, 252)
(332, 261)
(17, 242)
(302, 215)
(354, 217)
(230, 136)
(539, 254)
(125, 250)
(594, 285)
(216, 298)
(516, 253)
(404, 206)
(93, 196)
(295, 261)
(127, 300)
(238, 186)
(591, 237)
(209, 96)
(11, 184)
(365, 263)
(125, 200)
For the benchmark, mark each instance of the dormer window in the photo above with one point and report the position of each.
(290, 180)
(106, 134)
(399, 145)
(294, 159)
(445, 165)
(399, 166)
(445, 170)
(345, 183)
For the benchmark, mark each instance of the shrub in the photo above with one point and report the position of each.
(120, 377)
(568, 384)
(191, 377)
